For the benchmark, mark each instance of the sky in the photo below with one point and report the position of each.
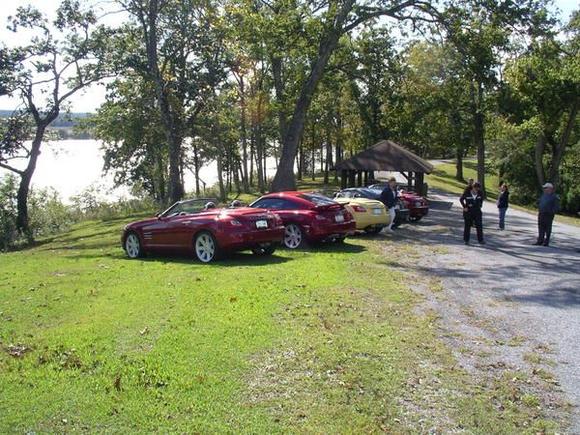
(90, 99)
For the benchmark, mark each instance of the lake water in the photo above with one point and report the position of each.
(70, 166)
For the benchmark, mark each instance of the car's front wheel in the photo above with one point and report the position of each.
(293, 236)
(265, 250)
(205, 247)
(133, 247)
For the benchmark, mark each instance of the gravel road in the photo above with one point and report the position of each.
(514, 303)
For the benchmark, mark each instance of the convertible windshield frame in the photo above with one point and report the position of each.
(172, 209)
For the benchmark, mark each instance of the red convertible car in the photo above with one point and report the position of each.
(197, 226)
(417, 205)
(308, 217)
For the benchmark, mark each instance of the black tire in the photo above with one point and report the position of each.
(415, 218)
(373, 230)
(132, 246)
(205, 247)
(339, 240)
(264, 251)
(294, 236)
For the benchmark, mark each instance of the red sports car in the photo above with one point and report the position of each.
(308, 217)
(197, 226)
(417, 205)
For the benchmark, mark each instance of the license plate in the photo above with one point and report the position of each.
(377, 211)
(261, 224)
(339, 218)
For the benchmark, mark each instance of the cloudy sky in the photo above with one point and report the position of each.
(94, 96)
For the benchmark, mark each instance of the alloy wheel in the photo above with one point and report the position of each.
(292, 236)
(205, 247)
(133, 246)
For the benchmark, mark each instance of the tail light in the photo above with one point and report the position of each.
(359, 208)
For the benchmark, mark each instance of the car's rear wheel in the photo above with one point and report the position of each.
(339, 240)
(373, 230)
(133, 247)
(265, 250)
(293, 236)
(415, 218)
(205, 247)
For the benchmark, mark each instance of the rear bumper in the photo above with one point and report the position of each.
(330, 231)
(246, 239)
(366, 220)
(419, 211)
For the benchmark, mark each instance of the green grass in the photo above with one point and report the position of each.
(323, 341)
(443, 178)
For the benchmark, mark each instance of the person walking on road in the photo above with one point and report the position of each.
(389, 198)
(548, 206)
(472, 202)
(503, 204)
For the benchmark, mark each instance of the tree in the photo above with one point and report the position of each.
(48, 71)
(546, 83)
(180, 50)
(480, 31)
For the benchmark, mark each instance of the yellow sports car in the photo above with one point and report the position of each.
(370, 215)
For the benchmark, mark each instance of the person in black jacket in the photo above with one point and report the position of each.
(472, 202)
(503, 204)
(389, 198)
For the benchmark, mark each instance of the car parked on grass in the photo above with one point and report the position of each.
(198, 226)
(418, 206)
(402, 212)
(308, 217)
(370, 215)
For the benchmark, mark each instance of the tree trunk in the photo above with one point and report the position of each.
(479, 132)
(244, 163)
(560, 147)
(22, 221)
(459, 164)
(175, 186)
(284, 178)
(539, 158)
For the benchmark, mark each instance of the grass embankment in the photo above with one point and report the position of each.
(320, 341)
(443, 178)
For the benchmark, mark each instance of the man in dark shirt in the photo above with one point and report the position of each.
(548, 205)
(389, 198)
(472, 201)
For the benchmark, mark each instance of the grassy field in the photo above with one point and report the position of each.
(443, 178)
(320, 341)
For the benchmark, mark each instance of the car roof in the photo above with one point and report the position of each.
(291, 194)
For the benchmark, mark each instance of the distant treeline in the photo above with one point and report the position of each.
(65, 126)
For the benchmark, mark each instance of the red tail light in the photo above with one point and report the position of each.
(359, 208)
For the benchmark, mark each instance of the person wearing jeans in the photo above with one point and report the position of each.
(389, 198)
(502, 204)
(548, 205)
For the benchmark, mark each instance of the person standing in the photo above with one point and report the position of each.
(503, 204)
(472, 202)
(548, 205)
(389, 198)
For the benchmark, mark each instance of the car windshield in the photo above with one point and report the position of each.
(371, 193)
(188, 207)
(317, 199)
